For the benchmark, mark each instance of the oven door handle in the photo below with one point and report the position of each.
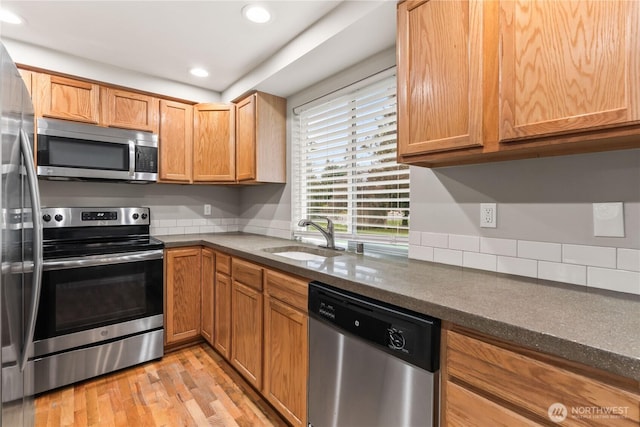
(99, 260)
(34, 194)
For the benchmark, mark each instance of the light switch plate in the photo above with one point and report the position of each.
(608, 219)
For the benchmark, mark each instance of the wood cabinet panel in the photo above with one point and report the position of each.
(27, 78)
(247, 273)
(533, 385)
(261, 138)
(176, 141)
(286, 359)
(223, 263)
(288, 289)
(222, 314)
(214, 143)
(69, 99)
(182, 299)
(553, 81)
(207, 293)
(467, 409)
(129, 110)
(246, 139)
(246, 335)
(439, 76)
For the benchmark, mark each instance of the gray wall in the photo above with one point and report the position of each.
(546, 199)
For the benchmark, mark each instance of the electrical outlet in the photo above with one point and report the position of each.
(488, 215)
(207, 209)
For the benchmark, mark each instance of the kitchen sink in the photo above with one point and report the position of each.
(303, 253)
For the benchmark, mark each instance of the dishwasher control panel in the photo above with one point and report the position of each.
(410, 336)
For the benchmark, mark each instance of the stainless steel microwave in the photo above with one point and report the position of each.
(68, 150)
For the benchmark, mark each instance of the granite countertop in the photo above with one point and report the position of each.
(599, 330)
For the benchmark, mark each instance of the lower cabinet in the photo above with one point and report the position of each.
(182, 298)
(222, 306)
(246, 324)
(207, 292)
(285, 346)
(488, 382)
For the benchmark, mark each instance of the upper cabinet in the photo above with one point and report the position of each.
(176, 140)
(214, 143)
(261, 138)
(439, 76)
(568, 66)
(27, 78)
(129, 110)
(485, 81)
(68, 99)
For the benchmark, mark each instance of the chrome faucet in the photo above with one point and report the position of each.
(328, 233)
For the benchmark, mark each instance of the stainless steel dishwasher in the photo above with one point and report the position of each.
(370, 364)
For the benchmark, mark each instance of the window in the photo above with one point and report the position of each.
(344, 163)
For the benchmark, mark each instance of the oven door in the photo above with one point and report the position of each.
(89, 299)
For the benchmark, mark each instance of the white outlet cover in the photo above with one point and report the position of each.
(488, 221)
(608, 219)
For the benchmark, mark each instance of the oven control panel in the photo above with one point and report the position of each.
(90, 217)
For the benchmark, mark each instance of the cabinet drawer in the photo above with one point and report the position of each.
(288, 289)
(467, 409)
(223, 263)
(247, 273)
(534, 384)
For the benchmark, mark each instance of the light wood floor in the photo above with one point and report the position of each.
(188, 387)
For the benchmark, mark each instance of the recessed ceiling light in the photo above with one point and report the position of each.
(9, 17)
(199, 72)
(256, 13)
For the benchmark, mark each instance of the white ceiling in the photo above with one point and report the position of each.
(306, 41)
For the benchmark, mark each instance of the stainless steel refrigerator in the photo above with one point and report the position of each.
(21, 247)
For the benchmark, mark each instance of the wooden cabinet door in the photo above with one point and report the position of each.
(69, 99)
(440, 90)
(222, 315)
(246, 335)
(568, 66)
(176, 141)
(128, 110)
(182, 300)
(286, 355)
(207, 292)
(246, 139)
(214, 157)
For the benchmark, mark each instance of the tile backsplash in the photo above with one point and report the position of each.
(193, 226)
(615, 269)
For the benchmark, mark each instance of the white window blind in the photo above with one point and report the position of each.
(345, 163)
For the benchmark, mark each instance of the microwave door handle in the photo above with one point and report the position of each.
(34, 193)
(132, 158)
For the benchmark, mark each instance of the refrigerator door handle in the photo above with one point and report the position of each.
(34, 193)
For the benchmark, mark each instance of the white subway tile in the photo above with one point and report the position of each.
(160, 231)
(447, 256)
(518, 266)
(490, 245)
(206, 228)
(423, 253)
(542, 251)
(167, 223)
(576, 274)
(229, 221)
(479, 261)
(595, 256)
(155, 223)
(192, 230)
(233, 228)
(220, 228)
(464, 243)
(214, 221)
(199, 222)
(437, 240)
(628, 259)
(414, 237)
(614, 280)
(184, 222)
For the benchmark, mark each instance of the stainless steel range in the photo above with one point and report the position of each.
(101, 306)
